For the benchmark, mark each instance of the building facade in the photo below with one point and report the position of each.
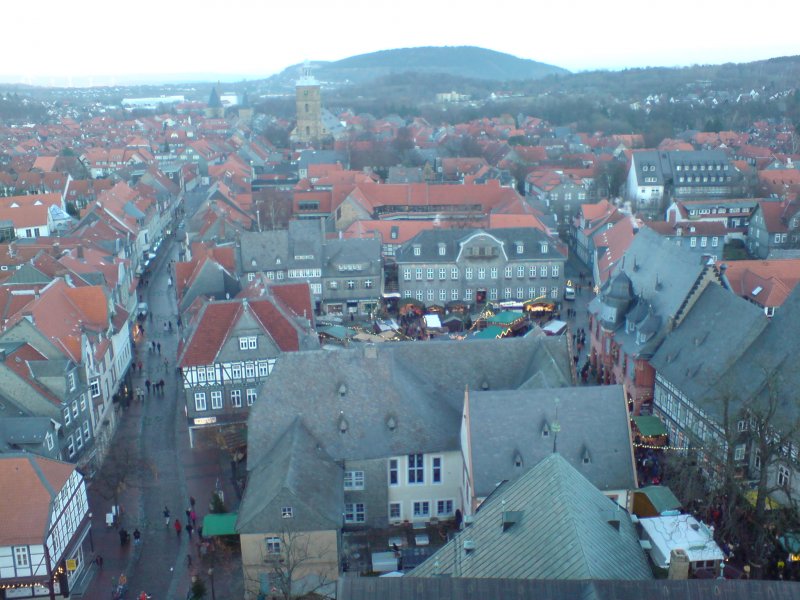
(437, 267)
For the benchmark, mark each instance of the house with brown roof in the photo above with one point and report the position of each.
(765, 283)
(232, 345)
(775, 225)
(592, 220)
(44, 533)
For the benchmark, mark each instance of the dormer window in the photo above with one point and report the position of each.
(417, 250)
(518, 460)
(442, 249)
(586, 458)
(544, 247)
(546, 430)
(520, 247)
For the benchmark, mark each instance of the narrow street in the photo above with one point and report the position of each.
(169, 473)
(583, 296)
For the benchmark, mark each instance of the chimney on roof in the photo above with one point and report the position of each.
(80, 251)
(56, 249)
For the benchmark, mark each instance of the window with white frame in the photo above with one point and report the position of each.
(738, 453)
(418, 273)
(442, 249)
(351, 284)
(94, 386)
(287, 512)
(468, 273)
(693, 242)
(507, 293)
(216, 399)
(251, 396)
(436, 469)
(493, 294)
(67, 416)
(354, 512)
(429, 273)
(553, 270)
(532, 272)
(249, 370)
(201, 375)
(543, 291)
(741, 425)
(468, 294)
(273, 545)
(430, 295)
(532, 292)
(354, 480)
(454, 294)
(520, 271)
(444, 508)
(508, 272)
(406, 274)
(443, 295)
(252, 342)
(543, 271)
(211, 374)
(481, 273)
(417, 250)
(87, 431)
(21, 558)
(83, 402)
(422, 508)
(407, 294)
(703, 242)
(714, 242)
(263, 369)
(200, 400)
(543, 247)
(416, 468)
(236, 371)
(420, 295)
(242, 343)
(394, 471)
(554, 293)
(520, 247)
(71, 381)
(520, 293)
(78, 440)
(75, 409)
(442, 273)
(48, 439)
(70, 447)
(784, 475)
(454, 273)
(395, 511)
(236, 398)
(493, 273)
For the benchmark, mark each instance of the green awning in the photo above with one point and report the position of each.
(650, 426)
(491, 332)
(219, 524)
(507, 317)
(661, 497)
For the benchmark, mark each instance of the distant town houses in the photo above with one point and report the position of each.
(441, 266)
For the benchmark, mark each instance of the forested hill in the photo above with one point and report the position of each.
(462, 61)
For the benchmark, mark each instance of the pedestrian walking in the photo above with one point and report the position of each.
(189, 561)
(189, 530)
(158, 345)
(137, 537)
(180, 322)
(165, 326)
(193, 517)
(177, 527)
(139, 364)
(166, 516)
(188, 515)
(170, 326)
(166, 364)
(192, 501)
(147, 384)
(161, 385)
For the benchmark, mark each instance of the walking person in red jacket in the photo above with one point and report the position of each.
(177, 527)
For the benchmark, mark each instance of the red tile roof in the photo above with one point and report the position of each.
(28, 485)
(776, 278)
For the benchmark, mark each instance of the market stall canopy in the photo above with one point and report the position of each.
(219, 524)
(661, 497)
(649, 426)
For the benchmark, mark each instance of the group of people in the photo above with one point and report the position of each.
(191, 520)
(157, 387)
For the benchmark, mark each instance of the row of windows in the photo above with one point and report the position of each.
(697, 179)
(76, 441)
(350, 284)
(488, 250)
(210, 375)
(77, 407)
(415, 470)
(431, 295)
(700, 167)
(481, 272)
(704, 242)
(217, 402)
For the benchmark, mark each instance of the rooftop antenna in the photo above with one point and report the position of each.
(555, 428)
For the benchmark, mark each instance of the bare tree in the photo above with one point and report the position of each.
(299, 564)
(122, 470)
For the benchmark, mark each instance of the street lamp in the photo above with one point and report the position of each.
(211, 577)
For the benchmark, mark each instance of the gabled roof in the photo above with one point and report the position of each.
(507, 426)
(296, 472)
(28, 485)
(551, 523)
(765, 282)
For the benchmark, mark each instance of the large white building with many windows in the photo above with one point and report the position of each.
(474, 267)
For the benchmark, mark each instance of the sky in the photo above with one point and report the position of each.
(97, 42)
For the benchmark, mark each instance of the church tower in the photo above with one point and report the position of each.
(214, 108)
(309, 108)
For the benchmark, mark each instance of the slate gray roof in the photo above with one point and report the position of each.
(507, 425)
(662, 274)
(463, 588)
(665, 164)
(715, 333)
(769, 366)
(366, 252)
(420, 386)
(430, 239)
(26, 432)
(563, 532)
(294, 473)
(27, 274)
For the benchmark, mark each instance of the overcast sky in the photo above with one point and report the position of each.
(97, 41)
